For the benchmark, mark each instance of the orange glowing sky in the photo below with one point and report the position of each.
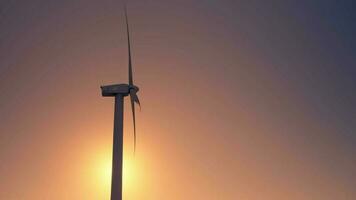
(241, 100)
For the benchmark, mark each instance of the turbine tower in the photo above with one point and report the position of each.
(119, 91)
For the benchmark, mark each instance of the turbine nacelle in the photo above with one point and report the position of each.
(113, 90)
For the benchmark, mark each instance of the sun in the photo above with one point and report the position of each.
(103, 171)
(130, 174)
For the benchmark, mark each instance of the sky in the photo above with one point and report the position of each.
(241, 100)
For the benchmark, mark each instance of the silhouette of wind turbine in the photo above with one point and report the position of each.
(119, 91)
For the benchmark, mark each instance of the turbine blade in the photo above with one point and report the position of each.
(132, 97)
(129, 46)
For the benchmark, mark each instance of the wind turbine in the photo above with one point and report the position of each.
(119, 91)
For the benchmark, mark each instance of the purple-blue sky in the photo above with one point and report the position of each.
(241, 99)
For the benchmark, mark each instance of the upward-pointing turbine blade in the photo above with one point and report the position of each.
(133, 89)
(129, 47)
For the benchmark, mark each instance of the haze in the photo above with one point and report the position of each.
(241, 100)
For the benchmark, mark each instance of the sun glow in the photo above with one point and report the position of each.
(98, 169)
(103, 170)
(130, 174)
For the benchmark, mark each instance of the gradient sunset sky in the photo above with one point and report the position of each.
(241, 100)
